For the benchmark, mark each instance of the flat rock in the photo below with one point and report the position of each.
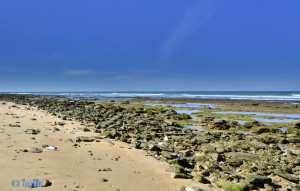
(242, 156)
(84, 139)
(287, 176)
(193, 188)
(168, 155)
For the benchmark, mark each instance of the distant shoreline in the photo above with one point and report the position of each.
(203, 95)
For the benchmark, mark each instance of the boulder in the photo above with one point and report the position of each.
(220, 124)
(257, 180)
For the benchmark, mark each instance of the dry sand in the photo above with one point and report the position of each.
(71, 168)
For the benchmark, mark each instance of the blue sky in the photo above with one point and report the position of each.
(70, 45)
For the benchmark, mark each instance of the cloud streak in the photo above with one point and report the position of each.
(194, 18)
(77, 72)
(5, 69)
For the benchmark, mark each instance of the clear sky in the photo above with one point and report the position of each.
(68, 45)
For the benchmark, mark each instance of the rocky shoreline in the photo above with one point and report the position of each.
(217, 157)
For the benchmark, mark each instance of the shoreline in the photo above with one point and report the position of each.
(212, 157)
(289, 96)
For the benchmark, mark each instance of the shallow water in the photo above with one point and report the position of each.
(186, 105)
(194, 120)
(282, 129)
(241, 122)
(199, 128)
(243, 132)
(288, 147)
(262, 120)
(189, 112)
(294, 116)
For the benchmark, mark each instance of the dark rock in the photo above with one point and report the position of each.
(16, 125)
(257, 180)
(32, 131)
(207, 119)
(201, 179)
(86, 129)
(154, 148)
(61, 123)
(103, 180)
(181, 175)
(47, 183)
(221, 124)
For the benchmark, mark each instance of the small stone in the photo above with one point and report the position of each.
(61, 123)
(47, 183)
(86, 129)
(32, 131)
(36, 150)
(103, 180)
(45, 145)
(56, 129)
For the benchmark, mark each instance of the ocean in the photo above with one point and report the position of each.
(235, 95)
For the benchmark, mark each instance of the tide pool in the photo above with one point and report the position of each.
(294, 116)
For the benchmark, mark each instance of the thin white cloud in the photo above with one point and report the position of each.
(121, 77)
(6, 69)
(194, 18)
(77, 72)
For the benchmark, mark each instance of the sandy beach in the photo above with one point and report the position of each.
(104, 165)
(83, 144)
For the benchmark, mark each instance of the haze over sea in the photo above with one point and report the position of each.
(236, 95)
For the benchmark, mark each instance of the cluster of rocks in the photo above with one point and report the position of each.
(226, 159)
(222, 124)
(254, 127)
